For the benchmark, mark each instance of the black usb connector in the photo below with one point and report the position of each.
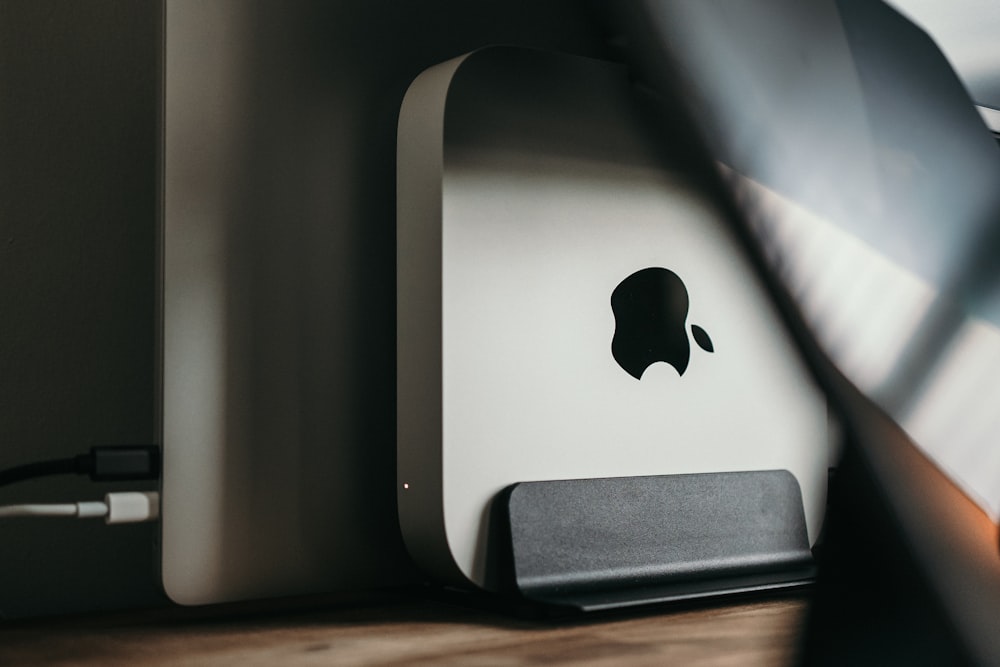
(116, 463)
(120, 463)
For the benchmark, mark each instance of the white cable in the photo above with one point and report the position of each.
(120, 507)
(63, 509)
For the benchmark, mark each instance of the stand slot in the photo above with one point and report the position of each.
(599, 543)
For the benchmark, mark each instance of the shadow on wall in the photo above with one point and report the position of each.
(310, 209)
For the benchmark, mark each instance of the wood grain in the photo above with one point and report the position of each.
(408, 631)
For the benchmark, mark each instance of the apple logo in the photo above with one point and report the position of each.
(650, 308)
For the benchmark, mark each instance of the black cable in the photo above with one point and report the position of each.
(40, 469)
(102, 464)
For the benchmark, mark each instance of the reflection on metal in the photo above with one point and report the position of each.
(954, 415)
(895, 336)
(871, 181)
(990, 116)
(860, 304)
(966, 30)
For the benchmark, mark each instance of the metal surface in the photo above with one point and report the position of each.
(546, 196)
(600, 543)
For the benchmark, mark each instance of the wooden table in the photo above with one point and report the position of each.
(408, 630)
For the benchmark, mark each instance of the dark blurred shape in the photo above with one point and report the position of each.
(867, 185)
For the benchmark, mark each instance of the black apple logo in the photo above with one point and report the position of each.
(650, 308)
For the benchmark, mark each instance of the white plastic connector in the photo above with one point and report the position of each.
(132, 506)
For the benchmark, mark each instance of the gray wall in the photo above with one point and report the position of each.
(79, 137)
(78, 206)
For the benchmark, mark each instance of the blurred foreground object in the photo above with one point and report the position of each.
(867, 182)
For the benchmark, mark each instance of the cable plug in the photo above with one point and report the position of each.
(120, 463)
(132, 506)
